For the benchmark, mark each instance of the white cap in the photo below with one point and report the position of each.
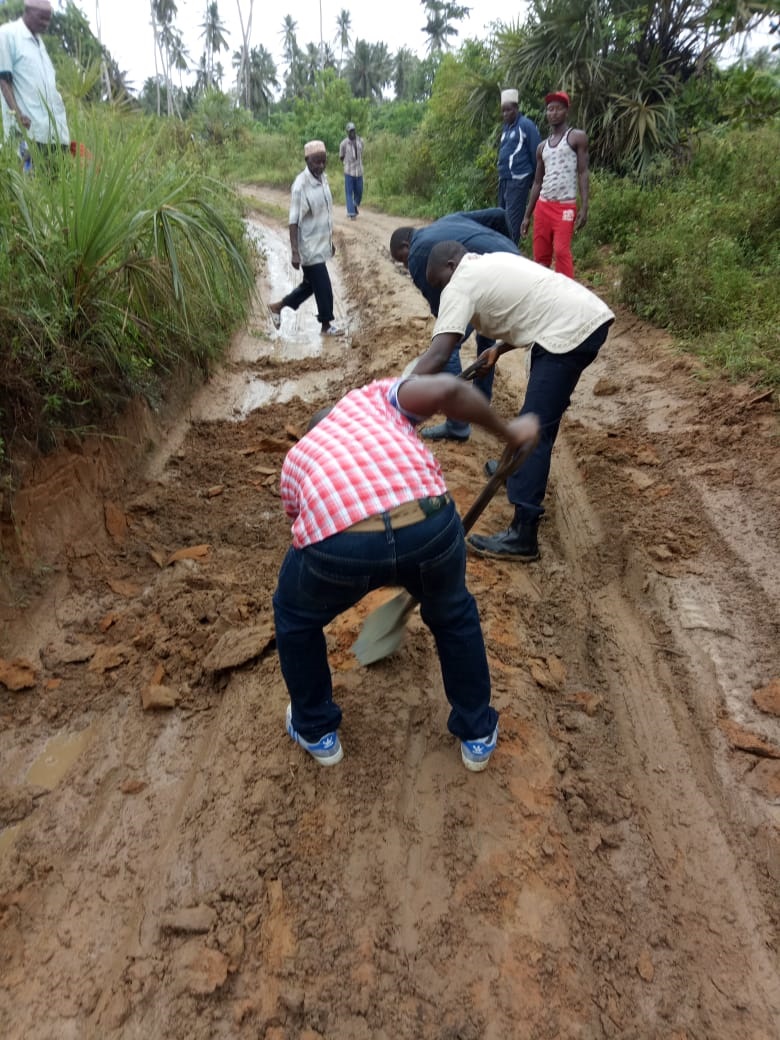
(39, 5)
(509, 97)
(314, 148)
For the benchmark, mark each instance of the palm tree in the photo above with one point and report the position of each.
(438, 27)
(343, 34)
(293, 57)
(213, 36)
(405, 65)
(262, 80)
(369, 69)
(242, 81)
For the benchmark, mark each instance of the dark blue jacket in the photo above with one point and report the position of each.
(517, 151)
(480, 231)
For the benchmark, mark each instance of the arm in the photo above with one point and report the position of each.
(427, 395)
(536, 188)
(7, 90)
(579, 142)
(436, 356)
(533, 141)
(342, 150)
(295, 258)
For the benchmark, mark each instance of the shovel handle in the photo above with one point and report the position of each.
(512, 459)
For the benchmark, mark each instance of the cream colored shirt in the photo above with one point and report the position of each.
(24, 55)
(311, 208)
(514, 299)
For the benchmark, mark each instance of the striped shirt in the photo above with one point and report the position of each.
(362, 459)
(351, 154)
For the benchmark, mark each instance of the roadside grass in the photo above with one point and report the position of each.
(698, 252)
(114, 270)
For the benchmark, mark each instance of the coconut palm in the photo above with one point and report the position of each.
(369, 69)
(439, 26)
(242, 80)
(343, 34)
(214, 38)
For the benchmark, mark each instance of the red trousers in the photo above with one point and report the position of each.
(553, 231)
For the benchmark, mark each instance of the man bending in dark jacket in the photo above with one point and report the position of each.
(479, 231)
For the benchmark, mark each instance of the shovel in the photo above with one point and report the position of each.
(384, 627)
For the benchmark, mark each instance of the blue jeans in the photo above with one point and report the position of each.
(353, 192)
(319, 582)
(513, 197)
(316, 282)
(483, 383)
(548, 394)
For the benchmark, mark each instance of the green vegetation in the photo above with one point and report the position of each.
(115, 269)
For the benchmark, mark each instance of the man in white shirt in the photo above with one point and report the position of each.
(311, 240)
(510, 298)
(31, 102)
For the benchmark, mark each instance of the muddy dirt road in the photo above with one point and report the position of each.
(171, 865)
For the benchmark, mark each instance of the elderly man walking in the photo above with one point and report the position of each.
(311, 240)
(31, 104)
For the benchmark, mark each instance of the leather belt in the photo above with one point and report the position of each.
(405, 515)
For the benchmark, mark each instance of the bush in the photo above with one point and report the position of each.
(114, 269)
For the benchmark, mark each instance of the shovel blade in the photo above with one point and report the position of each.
(383, 629)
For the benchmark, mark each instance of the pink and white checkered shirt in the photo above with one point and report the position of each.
(363, 458)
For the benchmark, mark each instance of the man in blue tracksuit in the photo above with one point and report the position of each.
(516, 161)
(480, 231)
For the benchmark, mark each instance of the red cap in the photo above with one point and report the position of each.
(558, 95)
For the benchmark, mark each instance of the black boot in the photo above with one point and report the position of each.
(518, 542)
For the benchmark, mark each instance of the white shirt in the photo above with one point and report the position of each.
(514, 299)
(311, 208)
(24, 55)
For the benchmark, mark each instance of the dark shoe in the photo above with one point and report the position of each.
(516, 543)
(442, 432)
(490, 467)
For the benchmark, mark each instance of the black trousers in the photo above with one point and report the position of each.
(316, 283)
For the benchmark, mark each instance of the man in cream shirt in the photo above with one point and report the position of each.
(30, 99)
(510, 298)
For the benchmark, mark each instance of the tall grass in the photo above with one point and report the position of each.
(699, 250)
(114, 269)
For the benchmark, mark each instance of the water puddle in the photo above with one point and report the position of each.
(58, 755)
(234, 391)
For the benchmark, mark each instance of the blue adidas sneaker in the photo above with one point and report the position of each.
(327, 750)
(476, 753)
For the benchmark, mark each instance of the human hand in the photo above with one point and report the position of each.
(295, 260)
(582, 219)
(523, 432)
(24, 120)
(488, 358)
(524, 226)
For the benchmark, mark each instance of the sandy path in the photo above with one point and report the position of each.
(189, 873)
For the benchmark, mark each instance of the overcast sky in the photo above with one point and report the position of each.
(127, 33)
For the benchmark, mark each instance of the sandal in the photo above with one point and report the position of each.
(333, 330)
